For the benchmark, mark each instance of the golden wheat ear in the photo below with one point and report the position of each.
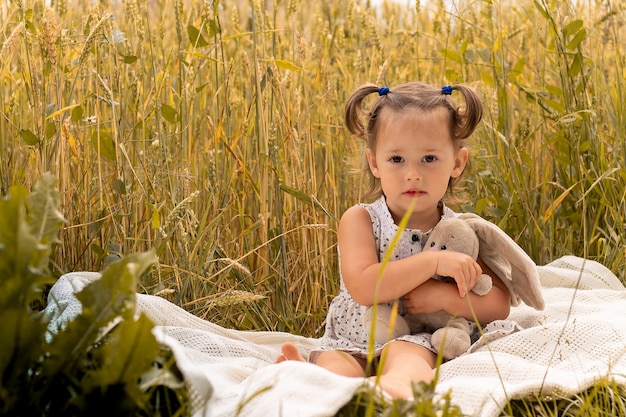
(508, 261)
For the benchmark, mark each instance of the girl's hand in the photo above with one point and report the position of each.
(460, 267)
(430, 297)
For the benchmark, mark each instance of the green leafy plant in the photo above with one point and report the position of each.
(101, 362)
(425, 403)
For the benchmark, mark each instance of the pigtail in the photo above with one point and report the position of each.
(468, 118)
(354, 110)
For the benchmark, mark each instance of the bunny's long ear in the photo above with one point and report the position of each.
(508, 261)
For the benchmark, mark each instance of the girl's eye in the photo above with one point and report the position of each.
(396, 159)
(429, 158)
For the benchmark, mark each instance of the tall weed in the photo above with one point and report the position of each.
(104, 360)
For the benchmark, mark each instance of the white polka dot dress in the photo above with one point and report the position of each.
(344, 323)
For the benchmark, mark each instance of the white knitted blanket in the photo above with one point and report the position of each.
(577, 340)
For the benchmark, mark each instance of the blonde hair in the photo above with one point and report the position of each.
(422, 97)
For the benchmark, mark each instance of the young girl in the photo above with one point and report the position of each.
(415, 152)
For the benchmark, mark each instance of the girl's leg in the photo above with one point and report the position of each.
(404, 364)
(333, 360)
(341, 363)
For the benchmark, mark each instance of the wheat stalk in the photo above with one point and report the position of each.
(48, 31)
(227, 298)
(91, 39)
(8, 44)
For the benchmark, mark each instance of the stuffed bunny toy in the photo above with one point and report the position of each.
(474, 236)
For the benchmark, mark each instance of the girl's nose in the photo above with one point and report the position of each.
(412, 174)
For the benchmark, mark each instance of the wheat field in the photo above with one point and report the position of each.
(213, 132)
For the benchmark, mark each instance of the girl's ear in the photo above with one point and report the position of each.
(462, 156)
(371, 161)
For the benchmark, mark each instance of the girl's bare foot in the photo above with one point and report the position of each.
(289, 352)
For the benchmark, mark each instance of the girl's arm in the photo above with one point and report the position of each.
(436, 295)
(360, 267)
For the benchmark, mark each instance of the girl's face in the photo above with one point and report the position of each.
(414, 158)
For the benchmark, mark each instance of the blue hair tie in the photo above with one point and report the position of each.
(446, 89)
(382, 91)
